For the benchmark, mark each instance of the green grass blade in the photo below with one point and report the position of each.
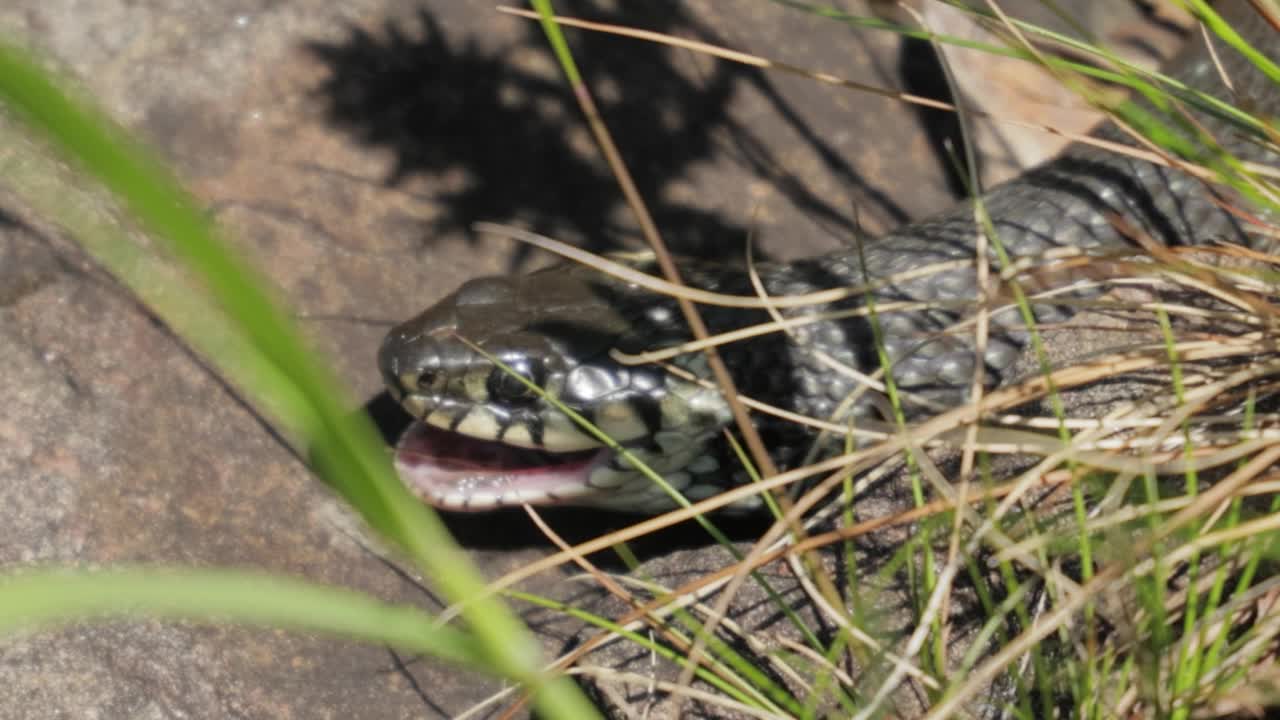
(343, 447)
(47, 598)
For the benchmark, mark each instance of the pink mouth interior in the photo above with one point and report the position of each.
(457, 472)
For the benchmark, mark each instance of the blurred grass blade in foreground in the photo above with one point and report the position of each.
(245, 334)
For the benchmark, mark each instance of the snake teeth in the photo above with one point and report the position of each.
(461, 473)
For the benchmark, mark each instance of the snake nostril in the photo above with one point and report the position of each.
(409, 360)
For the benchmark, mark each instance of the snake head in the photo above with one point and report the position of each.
(485, 439)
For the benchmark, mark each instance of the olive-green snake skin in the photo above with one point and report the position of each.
(488, 440)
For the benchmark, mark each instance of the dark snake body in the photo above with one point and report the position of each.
(558, 326)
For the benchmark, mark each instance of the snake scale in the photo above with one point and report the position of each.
(485, 439)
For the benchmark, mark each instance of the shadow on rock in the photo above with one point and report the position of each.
(448, 108)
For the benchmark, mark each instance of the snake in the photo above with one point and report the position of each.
(525, 388)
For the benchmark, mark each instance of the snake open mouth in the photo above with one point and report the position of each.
(462, 473)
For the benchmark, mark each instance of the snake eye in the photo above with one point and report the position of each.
(426, 378)
(505, 387)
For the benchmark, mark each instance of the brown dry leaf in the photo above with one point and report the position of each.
(1008, 87)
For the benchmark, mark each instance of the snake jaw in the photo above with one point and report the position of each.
(457, 472)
